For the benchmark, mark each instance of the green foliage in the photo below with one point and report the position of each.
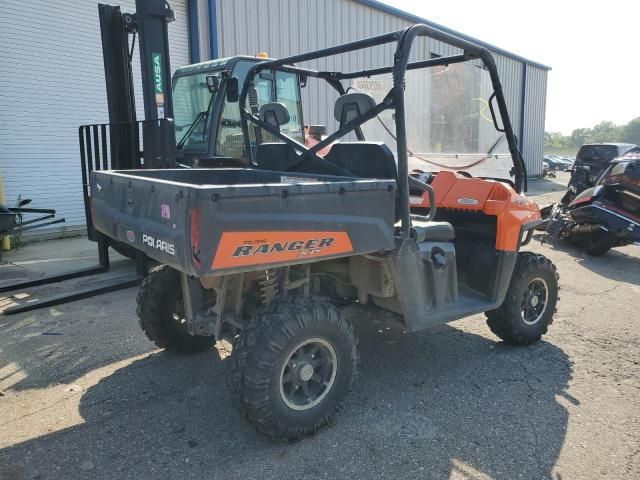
(602, 132)
(632, 132)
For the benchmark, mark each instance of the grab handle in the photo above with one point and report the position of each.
(432, 198)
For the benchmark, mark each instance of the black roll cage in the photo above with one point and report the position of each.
(394, 99)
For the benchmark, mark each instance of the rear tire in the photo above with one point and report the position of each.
(530, 303)
(292, 366)
(161, 313)
(599, 243)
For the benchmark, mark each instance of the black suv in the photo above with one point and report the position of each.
(597, 156)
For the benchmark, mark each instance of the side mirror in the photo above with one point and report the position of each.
(303, 80)
(213, 83)
(233, 90)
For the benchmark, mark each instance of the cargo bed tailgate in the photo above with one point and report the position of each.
(208, 222)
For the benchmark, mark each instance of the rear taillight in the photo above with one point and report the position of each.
(195, 236)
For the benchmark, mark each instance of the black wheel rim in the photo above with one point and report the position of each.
(308, 374)
(534, 301)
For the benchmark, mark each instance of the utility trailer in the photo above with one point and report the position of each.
(260, 255)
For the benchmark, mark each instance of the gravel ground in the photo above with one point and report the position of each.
(83, 394)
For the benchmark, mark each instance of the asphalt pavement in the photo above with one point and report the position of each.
(83, 394)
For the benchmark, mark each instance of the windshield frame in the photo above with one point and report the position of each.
(226, 70)
(394, 99)
(213, 69)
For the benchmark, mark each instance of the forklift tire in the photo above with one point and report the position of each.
(530, 302)
(161, 313)
(292, 366)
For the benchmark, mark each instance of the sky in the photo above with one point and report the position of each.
(591, 46)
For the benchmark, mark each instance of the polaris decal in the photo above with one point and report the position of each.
(160, 245)
(254, 248)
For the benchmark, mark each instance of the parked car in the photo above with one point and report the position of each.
(598, 156)
(546, 172)
(557, 163)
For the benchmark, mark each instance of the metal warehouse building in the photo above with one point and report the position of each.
(53, 74)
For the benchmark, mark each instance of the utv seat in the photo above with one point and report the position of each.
(364, 159)
(432, 231)
(280, 155)
(361, 159)
(275, 114)
(358, 159)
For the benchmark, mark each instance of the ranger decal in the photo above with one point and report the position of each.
(255, 248)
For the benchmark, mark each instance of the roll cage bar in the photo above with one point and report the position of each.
(394, 99)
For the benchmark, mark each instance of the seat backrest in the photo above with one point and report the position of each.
(275, 114)
(350, 105)
(274, 156)
(364, 159)
(282, 157)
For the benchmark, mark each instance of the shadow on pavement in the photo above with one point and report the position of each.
(540, 186)
(615, 264)
(425, 406)
(61, 344)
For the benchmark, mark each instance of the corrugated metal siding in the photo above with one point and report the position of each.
(511, 78)
(534, 114)
(287, 27)
(53, 82)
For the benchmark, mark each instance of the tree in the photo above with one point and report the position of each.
(631, 132)
(602, 132)
(554, 140)
(606, 132)
(580, 136)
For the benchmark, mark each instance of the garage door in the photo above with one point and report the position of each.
(52, 82)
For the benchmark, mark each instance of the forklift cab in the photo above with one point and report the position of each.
(207, 114)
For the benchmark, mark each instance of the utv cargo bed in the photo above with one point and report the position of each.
(207, 222)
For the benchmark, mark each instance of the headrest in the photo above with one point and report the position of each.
(275, 114)
(350, 105)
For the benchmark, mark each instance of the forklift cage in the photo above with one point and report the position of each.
(121, 146)
(394, 99)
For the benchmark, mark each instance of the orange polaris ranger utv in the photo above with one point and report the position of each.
(257, 255)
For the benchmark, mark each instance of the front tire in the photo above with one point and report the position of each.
(530, 303)
(161, 313)
(292, 366)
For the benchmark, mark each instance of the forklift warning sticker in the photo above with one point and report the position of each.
(238, 249)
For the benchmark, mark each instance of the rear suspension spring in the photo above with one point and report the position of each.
(269, 287)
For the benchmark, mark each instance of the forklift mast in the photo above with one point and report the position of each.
(149, 25)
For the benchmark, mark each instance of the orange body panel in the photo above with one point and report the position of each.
(491, 197)
(239, 249)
